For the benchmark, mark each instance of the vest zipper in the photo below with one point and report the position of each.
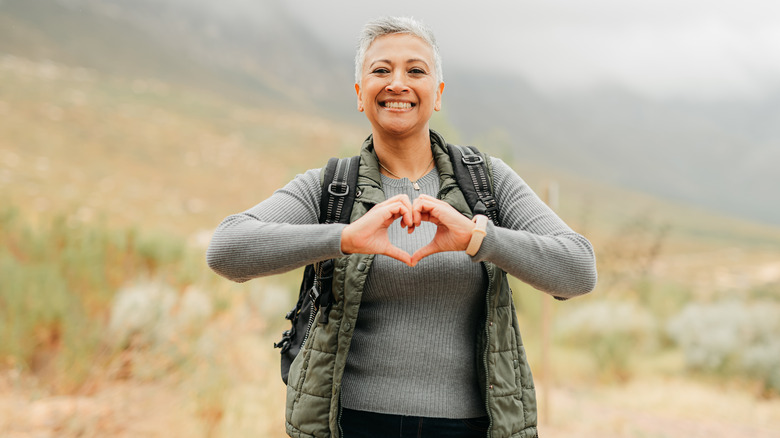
(312, 316)
(487, 352)
(338, 421)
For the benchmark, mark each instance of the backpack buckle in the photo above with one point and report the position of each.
(472, 159)
(314, 295)
(338, 188)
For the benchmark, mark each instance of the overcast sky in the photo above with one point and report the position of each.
(660, 48)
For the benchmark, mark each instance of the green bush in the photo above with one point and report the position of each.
(33, 301)
(610, 331)
(58, 284)
(731, 338)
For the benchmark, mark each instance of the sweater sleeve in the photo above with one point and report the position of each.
(533, 243)
(277, 235)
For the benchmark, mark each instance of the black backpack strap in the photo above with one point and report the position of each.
(339, 183)
(338, 190)
(471, 172)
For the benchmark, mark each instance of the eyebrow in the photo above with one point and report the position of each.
(408, 61)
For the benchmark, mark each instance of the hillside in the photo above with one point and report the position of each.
(100, 148)
(138, 152)
(716, 155)
(123, 144)
(255, 58)
(107, 104)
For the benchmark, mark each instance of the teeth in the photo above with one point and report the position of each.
(398, 105)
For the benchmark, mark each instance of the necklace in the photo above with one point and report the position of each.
(414, 183)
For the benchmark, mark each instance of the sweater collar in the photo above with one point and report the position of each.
(370, 180)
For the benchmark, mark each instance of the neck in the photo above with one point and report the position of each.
(407, 157)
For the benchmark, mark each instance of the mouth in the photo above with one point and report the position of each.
(394, 104)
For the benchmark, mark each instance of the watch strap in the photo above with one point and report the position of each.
(477, 234)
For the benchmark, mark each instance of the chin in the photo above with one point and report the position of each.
(402, 131)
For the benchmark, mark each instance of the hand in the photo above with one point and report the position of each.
(453, 231)
(368, 235)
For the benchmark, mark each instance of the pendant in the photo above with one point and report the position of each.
(416, 187)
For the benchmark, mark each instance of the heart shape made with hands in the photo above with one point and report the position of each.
(368, 235)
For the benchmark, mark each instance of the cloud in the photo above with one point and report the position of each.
(703, 57)
(660, 48)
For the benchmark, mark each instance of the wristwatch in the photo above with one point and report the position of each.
(477, 234)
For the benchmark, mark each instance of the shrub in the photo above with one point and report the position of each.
(731, 338)
(58, 284)
(154, 314)
(610, 331)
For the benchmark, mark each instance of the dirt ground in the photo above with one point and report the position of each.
(659, 409)
(648, 408)
(119, 410)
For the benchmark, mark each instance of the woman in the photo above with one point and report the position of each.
(422, 339)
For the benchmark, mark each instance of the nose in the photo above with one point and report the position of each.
(397, 83)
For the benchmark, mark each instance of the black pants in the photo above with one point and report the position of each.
(361, 424)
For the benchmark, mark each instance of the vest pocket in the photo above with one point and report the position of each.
(505, 352)
(505, 380)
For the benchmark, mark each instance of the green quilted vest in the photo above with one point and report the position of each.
(314, 385)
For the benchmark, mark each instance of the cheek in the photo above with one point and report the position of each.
(369, 93)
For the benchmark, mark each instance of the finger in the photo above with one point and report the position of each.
(408, 218)
(439, 212)
(427, 199)
(424, 197)
(416, 219)
(424, 252)
(397, 209)
(401, 207)
(427, 204)
(409, 215)
(427, 217)
(399, 254)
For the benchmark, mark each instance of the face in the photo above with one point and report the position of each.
(399, 90)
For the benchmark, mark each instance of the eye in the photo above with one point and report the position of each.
(417, 71)
(381, 71)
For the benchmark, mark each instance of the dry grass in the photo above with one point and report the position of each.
(249, 402)
(145, 153)
(119, 155)
(224, 383)
(659, 407)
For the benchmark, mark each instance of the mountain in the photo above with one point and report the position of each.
(718, 155)
(251, 51)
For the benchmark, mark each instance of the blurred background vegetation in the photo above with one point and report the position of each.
(128, 131)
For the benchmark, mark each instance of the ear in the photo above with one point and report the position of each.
(439, 91)
(359, 98)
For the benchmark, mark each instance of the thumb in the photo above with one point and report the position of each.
(399, 254)
(424, 252)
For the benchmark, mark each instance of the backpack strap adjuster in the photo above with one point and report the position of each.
(471, 172)
(472, 159)
(338, 188)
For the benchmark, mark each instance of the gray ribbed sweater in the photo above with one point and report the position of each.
(413, 351)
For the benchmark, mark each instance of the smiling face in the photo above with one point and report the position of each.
(399, 90)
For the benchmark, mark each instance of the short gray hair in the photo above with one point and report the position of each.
(392, 25)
